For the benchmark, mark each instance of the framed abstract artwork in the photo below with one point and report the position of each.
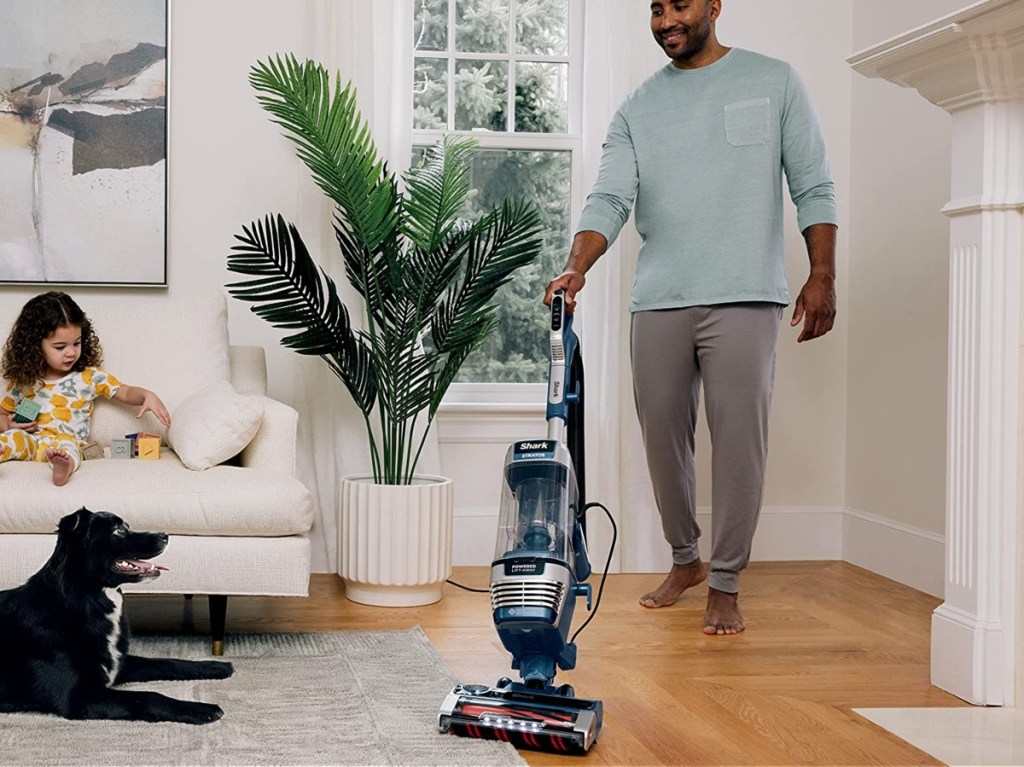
(83, 142)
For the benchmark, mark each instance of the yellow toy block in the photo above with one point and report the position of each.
(149, 448)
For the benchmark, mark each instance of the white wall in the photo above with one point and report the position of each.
(899, 283)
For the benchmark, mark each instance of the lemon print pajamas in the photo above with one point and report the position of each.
(65, 414)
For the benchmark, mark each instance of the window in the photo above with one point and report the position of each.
(506, 72)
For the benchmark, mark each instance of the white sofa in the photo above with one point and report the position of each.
(238, 528)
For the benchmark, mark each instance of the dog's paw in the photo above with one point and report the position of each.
(215, 669)
(201, 713)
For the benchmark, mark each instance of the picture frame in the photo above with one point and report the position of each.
(83, 142)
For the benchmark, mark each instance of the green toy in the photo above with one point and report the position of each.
(26, 411)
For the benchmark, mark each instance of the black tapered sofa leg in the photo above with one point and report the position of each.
(218, 614)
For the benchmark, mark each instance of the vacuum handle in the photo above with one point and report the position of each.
(562, 347)
(558, 315)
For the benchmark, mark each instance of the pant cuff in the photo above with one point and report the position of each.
(721, 580)
(685, 555)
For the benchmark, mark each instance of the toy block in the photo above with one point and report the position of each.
(91, 450)
(121, 448)
(135, 437)
(26, 411)
(148, 448)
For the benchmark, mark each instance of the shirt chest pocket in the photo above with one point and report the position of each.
(747, 123)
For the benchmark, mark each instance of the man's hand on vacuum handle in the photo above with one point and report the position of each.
(587, 247)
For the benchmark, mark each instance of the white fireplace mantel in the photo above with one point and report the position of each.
(969, 57)
(971, 63)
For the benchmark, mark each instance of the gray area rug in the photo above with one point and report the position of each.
(338, 698)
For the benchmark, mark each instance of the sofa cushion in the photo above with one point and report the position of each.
(157, 495)
(173, 346)
(213, 425)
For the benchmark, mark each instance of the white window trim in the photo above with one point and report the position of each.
(526, 399)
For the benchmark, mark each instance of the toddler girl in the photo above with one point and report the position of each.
(52, 358)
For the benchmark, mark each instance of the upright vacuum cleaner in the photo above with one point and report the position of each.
(538, 572)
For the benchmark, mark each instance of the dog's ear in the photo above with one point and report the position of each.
(77, 522)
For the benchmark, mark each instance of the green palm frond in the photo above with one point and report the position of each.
(418, 267)
(333, 140)
(405, 378)
(498, 244)
(429, 274)
(374, 273)
(292, 293)
(435, 192)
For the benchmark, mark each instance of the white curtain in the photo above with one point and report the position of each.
(369, 43)
(616, 467)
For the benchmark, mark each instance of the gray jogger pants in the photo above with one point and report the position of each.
(730, 348)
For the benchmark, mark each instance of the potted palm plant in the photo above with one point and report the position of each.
(427, 280)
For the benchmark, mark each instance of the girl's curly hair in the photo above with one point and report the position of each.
(23, 362)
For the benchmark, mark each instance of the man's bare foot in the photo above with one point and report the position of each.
(723, 614)
(61, 463)
(678, 580)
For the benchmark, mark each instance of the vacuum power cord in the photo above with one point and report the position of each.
(607, 564)
(467, 588)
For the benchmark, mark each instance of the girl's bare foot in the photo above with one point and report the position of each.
(678, 580)
(723, 614)
(62, 464)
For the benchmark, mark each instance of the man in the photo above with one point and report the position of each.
(700, 147)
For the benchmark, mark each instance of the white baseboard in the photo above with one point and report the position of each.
(788, 533)
(980, 680)
(905, 554)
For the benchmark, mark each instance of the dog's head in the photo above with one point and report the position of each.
(101, 546)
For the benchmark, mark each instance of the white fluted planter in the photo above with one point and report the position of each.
(395, 541)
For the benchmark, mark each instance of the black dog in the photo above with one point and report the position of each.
(64, 634)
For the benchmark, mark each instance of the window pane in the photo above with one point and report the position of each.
(542, 26)
(518, 350)
(481, 26)
(430, 94)
(542, 97)
(430, 32)
(481, 95)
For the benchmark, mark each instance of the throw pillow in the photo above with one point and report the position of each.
(214, 424)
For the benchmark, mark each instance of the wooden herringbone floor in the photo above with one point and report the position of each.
(823, 638)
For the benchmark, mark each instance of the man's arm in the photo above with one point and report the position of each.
(816, 304)
(813, 192)
(607, 209)
(587, 247)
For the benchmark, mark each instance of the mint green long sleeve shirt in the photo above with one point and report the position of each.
(701, 154)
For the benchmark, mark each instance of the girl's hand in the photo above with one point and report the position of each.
(152, 404)
(29, 426)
